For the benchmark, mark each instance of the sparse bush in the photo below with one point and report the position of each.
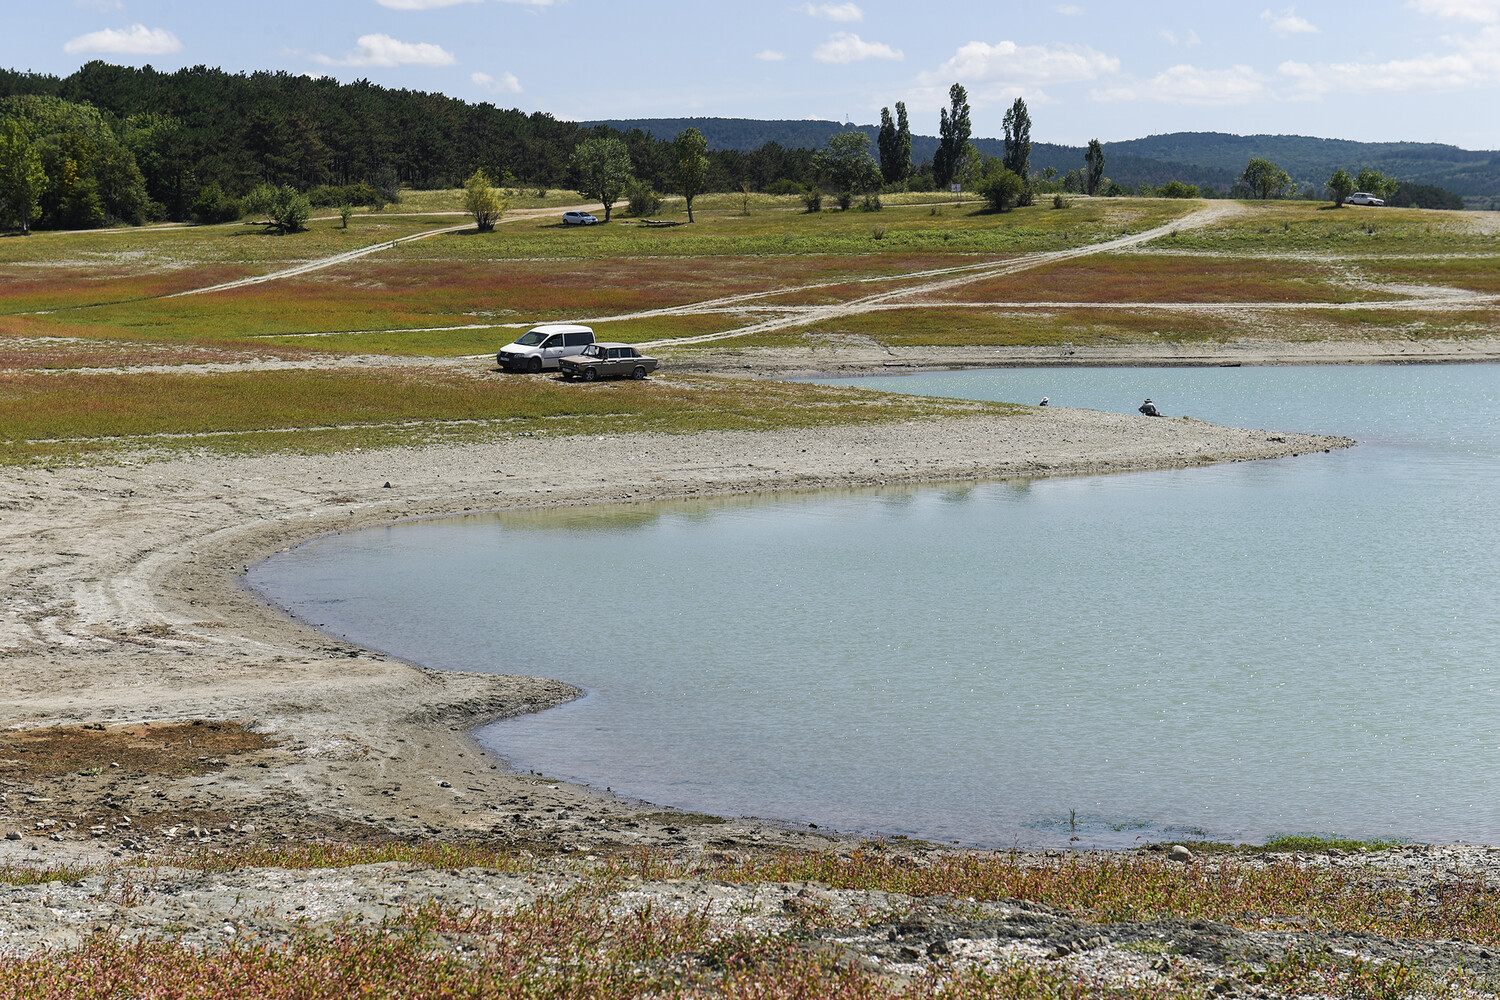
(1177, 189)
(345, 211)
(878, 232)
(845, 199)
(643, 200)
(812, 198)
(285, 208)
(1058, 201)
(871, 203)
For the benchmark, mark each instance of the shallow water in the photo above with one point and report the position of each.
(1301, 645)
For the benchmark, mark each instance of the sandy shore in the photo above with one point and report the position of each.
(123, 603)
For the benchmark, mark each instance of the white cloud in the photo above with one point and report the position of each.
(1022, 65)
(1454, 71)
(1483, 11)
(421, 4)
(1288, 23)
(1171, 37)
(1192, 85)
(507, 84)
(770, 55)
(834, 12)
(845, 47)
(136, 40)
(383, 50)
(1069, 10)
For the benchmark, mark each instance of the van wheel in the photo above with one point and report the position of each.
(534, 365)
(591, 374)
(639, 373)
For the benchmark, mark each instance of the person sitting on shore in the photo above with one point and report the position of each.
(1043, 402)
(1149, 408)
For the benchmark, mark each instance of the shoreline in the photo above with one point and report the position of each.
(126, 604)
(852, 356)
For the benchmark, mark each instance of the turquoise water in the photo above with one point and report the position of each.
(1301, 645)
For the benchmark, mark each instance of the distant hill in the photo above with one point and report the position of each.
(1207, 159)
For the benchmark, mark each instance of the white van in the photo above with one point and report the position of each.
(541, 347)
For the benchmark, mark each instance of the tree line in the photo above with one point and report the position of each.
(122, 144)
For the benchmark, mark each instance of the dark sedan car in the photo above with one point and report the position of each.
(601, 360)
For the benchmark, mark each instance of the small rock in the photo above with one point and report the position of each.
(445, 784)
(1180, 853)
(13, 835)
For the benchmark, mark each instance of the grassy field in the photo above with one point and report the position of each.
(106, 300)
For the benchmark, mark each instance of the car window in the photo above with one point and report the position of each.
(554, 341)
(591, 351)
(576, 339)
(530, 338)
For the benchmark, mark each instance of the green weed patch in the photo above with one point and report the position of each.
(52, 416)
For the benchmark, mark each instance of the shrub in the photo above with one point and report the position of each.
(1177, 189)
(1000, 186)
(285, 208)
(812, 197)
(643, 199)
(871, 203)
(783, 186)
(1058, 201)
(213, 205)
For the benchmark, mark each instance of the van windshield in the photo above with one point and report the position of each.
(530, 338)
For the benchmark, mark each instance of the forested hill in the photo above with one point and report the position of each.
(1207, 159)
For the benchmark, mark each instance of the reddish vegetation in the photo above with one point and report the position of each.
(1126, 278)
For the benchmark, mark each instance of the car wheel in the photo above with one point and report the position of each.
(591, 374)
(534, 365)
(639, 373)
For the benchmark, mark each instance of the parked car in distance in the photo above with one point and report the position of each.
(578, 219)
(1363, 198)
(604, 360)
(543, 346)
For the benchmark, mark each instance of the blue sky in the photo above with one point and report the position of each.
(1419, 70)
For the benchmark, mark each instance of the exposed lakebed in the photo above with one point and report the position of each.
(1300, 645)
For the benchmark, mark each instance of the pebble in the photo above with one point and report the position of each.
(1180, 853)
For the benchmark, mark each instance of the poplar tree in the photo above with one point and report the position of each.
(953, 132)
(1094, 161)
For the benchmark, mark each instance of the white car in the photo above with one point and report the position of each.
(578, 219)
(1363, 198)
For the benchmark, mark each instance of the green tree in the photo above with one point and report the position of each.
(286, 209)
(895, 145)
(1093, 162)
(1001, 186)
(21, 177)
(603, 168)
(485, 203)
(1265, 179)
(1017, 125)
(953, 137)
(1177, 189)
(1376, 183)
(849, 166)
(1340, 186)
(690, 164)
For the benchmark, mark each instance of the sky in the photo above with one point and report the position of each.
(1381, 70)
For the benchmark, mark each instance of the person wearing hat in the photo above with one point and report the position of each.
(1149, 408)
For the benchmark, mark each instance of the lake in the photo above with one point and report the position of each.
(1306, 645)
